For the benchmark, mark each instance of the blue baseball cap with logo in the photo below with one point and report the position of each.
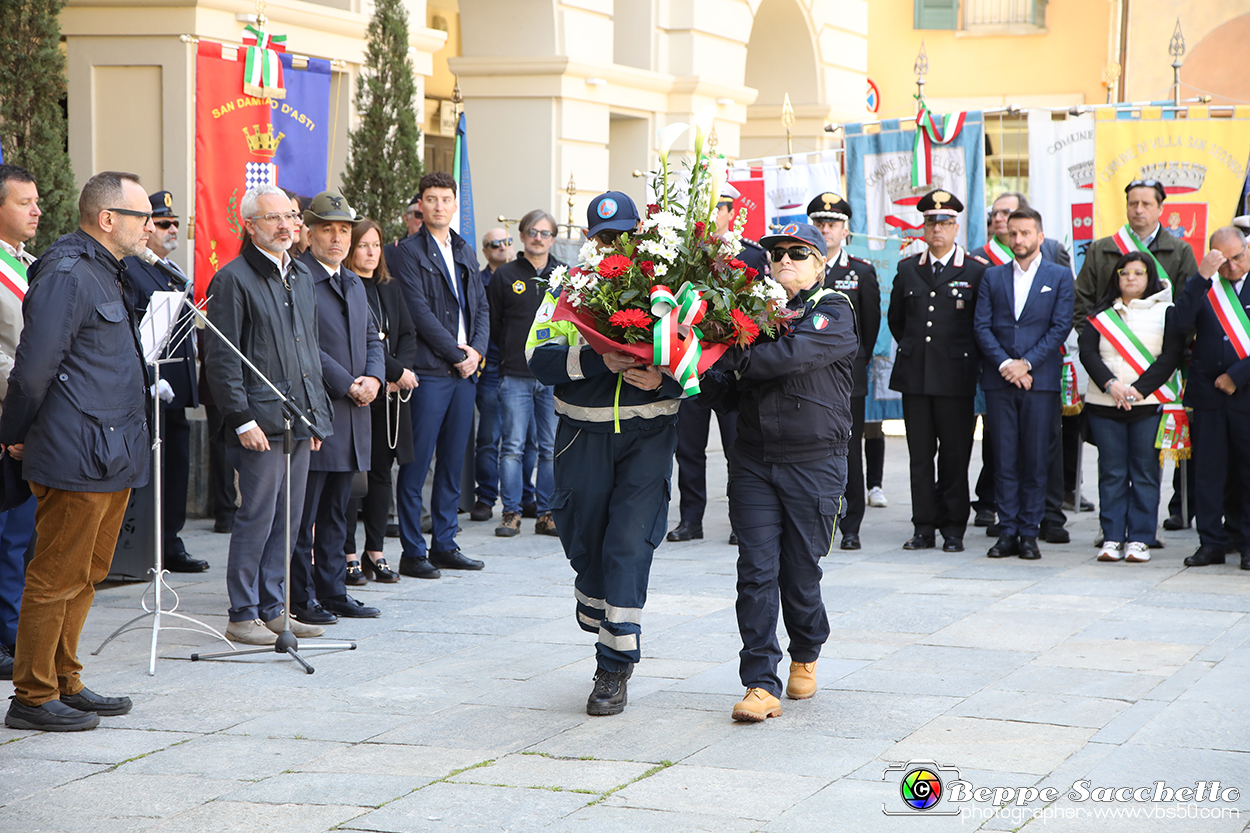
(611, 211)
(801, 232)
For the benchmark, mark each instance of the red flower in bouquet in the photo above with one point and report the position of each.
(647, 268)
(652, 210)
(745, 329)
(751, 274)
(737, 263)
(613, 266)
(699, 229)
(626, 318)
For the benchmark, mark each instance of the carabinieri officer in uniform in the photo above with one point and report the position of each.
(930, 316)
(857, 280)
(611, 488)
(787, 469)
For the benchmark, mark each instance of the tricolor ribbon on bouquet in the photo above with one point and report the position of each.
(929, 133)
(262, 70)
(675, 336)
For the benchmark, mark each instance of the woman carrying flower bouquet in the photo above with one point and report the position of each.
(787, 468)
(614, 459)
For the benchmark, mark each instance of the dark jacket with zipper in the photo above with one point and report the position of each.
(514, 294)
(792, 393)
(78, 390)
(276, 328)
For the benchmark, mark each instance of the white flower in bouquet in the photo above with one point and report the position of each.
(558, 276)
(590, 255)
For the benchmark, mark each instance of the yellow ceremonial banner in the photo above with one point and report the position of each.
(1200, 161)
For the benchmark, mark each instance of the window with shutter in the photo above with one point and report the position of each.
(937, 14)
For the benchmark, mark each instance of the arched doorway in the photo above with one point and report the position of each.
(781, 59)
(1213, 67)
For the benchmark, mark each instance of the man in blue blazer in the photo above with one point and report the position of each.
(181, 388)
(438, 273)
(353, 367)
(1023, 314)
(1218, 390)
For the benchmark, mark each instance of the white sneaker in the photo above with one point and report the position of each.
(299, 630)
(1111, 551)
(252, 632)
(1137, 552)
(876, 498)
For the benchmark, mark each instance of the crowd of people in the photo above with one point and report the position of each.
(355, 354)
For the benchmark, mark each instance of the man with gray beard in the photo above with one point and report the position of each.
(263, 302)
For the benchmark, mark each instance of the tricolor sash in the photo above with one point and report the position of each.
(928, 133)
(1069, 393)
(1129, 346)
(13, 275)
(262, 69)
(997, 252)
(1126, 240)
(1232, 316)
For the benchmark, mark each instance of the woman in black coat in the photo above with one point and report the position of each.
(392, 419)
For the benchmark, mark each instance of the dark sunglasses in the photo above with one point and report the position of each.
(797, 253)
(164, 224)
(146, 215)
(499, 244)
(534, 234)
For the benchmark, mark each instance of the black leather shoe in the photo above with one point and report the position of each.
(349, 608)
(953, 545)
(919, 542)
(417, 566)
(850, 541)
(52, 716)
(88, 701)
(1205, 556)
(1245, 560)
(994, 530)
(1055, 534)
(1005, 546)
(181, 562)
(6, 663)
(985, 517)
(379, 570)
(529, 510)
(455, 560)
(685, 532)
(1069, 502)
(224, 523)
(481, 511)
(313, 613)
(609, 695)
(733, 539)
(392, 530)
(1028, 548)
(355, 577)
(1155, 544)
(1172, 523)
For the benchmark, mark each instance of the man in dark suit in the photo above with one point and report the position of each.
(1067, 433)
(857, 280)
(1218, 388)
(179, 391)
(1024, 312)
(353, 367)
(439, 275)
(930, 316)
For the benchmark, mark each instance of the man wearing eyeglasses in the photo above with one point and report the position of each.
(1214, 305)
(1175, 261)
(930, 316)
(525, 404)
(75, 414)
(178, 389)
(263, 301)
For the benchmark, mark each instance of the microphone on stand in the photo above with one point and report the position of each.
(149, 257)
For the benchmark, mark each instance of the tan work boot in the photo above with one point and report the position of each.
(509, 525)
(545, 525)
(756, 706)
(298, 629)
(802, 684)
(252, 632)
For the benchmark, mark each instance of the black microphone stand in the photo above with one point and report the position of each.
(287, 643)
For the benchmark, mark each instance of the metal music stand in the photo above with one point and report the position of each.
(174, 335)
(287, 643)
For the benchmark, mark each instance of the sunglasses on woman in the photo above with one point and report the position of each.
(797, 254)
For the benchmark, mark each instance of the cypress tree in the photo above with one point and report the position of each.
(32, 115)
(383, 165)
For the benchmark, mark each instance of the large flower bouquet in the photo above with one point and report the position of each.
(672, 293)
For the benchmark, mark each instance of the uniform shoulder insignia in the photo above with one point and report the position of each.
(859, 259)
(751, 244)
(979, 259)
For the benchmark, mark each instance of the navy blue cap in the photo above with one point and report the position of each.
(162, 204)
(802, 232)
(611, 211)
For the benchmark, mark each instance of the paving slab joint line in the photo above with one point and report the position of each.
(660, 767)
(144, 755)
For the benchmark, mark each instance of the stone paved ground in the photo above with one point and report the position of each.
(463, 708)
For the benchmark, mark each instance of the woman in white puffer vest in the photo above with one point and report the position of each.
(1130, 350)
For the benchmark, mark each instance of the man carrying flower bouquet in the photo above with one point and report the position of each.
(614, 458)
(787, 468)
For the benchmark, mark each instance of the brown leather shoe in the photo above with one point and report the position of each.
(758, 705)
(802, 684)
